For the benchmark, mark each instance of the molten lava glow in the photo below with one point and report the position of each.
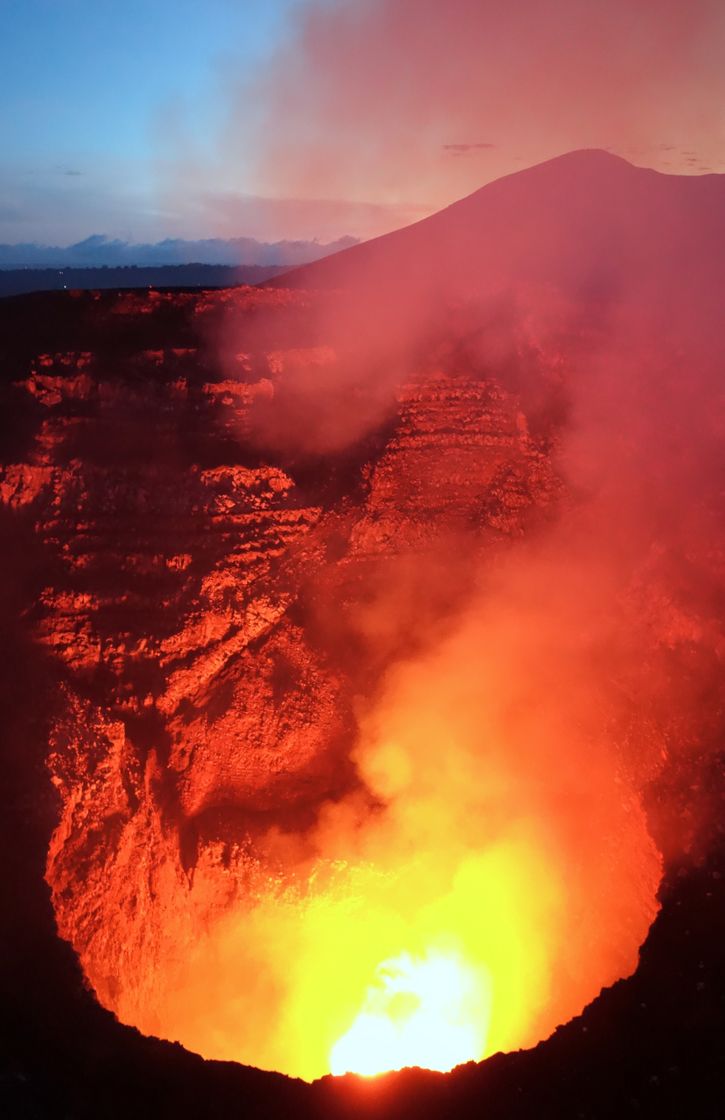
(467, 939)
(431, 1012)
(483, 879)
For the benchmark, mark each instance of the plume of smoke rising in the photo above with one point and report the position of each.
(560, 249)
(539, 728)
(511, 759)
(400, 100)
(532, 719)
(370, 115)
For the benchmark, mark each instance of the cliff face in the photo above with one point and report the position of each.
(325, 581)
(207, 694)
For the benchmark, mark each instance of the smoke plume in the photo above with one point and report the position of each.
(534, 715)
(420, 102)
(533, 718)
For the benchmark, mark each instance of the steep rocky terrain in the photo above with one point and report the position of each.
(197, 599)
(180, 579)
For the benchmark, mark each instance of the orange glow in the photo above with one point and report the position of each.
(483, 881)
(368, 968)
(402, 739)
(485, 875)
(431, 1012)
(438, 935)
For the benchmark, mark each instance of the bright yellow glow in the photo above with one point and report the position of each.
(431, 1012)
(296, 981)
(478, 886)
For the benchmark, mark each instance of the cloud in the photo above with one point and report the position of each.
(463, 148)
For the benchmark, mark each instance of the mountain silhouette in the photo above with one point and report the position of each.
(588, 222)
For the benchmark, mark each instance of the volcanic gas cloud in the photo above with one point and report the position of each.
(384, 768)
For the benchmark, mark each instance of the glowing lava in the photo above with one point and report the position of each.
(431, 1012)
(488, 855)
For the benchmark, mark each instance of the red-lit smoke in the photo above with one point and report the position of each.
(520, 730)
(535, 726)
(411, 104)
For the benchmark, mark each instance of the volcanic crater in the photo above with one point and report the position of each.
(371, 620)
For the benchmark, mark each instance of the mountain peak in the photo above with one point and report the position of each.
(561, 221)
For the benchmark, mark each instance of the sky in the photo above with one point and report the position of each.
(145, 119)
(90, 88)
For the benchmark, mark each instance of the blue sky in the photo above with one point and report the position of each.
(88, 89)
(145, 119)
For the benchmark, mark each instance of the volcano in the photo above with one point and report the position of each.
(364, 672)
(584, 222)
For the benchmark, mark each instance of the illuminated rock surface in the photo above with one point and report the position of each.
(198, 580)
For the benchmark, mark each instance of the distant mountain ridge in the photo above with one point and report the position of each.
(99, 251)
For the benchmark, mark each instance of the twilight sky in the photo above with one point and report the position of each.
(143, 119)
